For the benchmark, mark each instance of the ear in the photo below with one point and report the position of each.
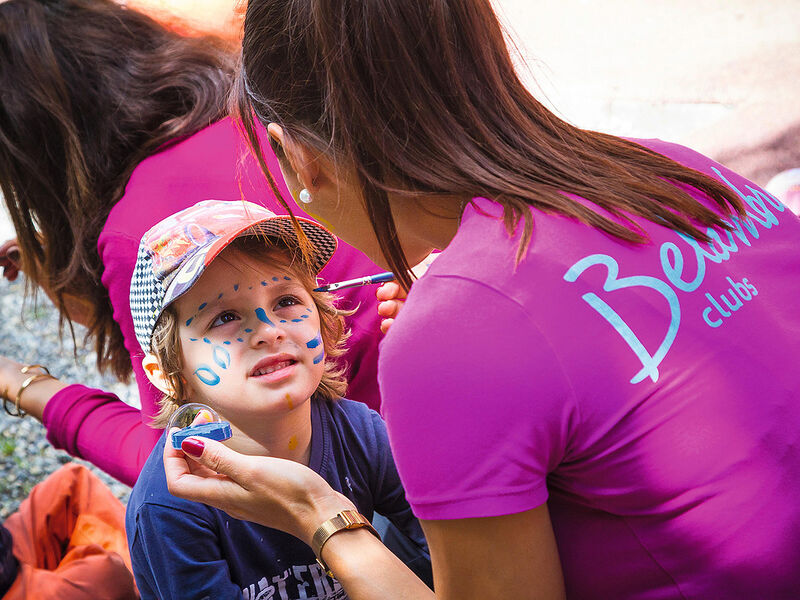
(156, 375)
(305, 168)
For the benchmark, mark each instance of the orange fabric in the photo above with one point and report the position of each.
(69, 538)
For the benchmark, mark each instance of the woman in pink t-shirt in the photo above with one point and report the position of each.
(593, 390)
(109, 122)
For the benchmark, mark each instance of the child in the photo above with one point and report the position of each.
(223, 303)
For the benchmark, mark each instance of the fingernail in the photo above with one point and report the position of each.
(192, 447)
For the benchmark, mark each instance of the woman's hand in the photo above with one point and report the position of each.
(11, 377)
(391, 298)
(36, 396)
(286, 495)
(275, 492)
(10, 259)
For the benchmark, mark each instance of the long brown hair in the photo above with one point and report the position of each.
(90, 89)
(421, 97)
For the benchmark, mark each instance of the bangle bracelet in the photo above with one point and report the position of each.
(347, 519)
(18, 412)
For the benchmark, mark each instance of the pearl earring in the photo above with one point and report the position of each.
(305, 196)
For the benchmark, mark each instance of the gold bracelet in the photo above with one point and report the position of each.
(18, 412)
(347, 519)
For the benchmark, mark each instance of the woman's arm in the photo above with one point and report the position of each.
(88, 423)
(289, 496)
(513, 556)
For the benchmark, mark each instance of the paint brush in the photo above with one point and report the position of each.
(370, 279)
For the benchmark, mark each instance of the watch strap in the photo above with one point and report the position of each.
(347, 519)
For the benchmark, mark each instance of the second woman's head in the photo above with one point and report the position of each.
(90, 89)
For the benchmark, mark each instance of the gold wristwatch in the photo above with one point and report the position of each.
(347, 519)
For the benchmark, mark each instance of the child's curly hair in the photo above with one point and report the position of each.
(166, 344)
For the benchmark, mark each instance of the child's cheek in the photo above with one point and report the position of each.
(315, 344)
(211, 373)
(301, 318)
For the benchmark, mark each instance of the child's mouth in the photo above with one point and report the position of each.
(274, 369)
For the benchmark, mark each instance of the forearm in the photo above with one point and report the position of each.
(99, 427)
(367, 569)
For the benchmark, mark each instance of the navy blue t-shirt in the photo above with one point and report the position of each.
(183, 549)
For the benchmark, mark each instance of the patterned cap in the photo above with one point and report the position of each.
(174, 253)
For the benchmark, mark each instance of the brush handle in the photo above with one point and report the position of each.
(370, 279)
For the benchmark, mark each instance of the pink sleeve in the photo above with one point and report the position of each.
(99, 427)
(476, 403)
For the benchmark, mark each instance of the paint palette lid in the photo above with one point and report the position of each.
(198, 420)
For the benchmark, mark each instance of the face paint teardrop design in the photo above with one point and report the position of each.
(316, 341)
(262, 316)
(313, 343)
(222, 357)
(206, 375)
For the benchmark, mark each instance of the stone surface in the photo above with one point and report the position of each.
(29, 334)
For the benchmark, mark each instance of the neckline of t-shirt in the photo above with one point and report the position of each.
(319, 440)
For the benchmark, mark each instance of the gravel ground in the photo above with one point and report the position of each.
(29, 334)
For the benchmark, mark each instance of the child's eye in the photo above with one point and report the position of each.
(287, 301)
(224, 317)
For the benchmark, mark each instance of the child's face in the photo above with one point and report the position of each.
(251, 338)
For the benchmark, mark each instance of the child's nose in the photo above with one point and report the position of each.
(266, 330)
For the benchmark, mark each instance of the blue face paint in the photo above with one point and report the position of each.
(239, 340)
(262, 316)
(236, 287)
(206, 375)
(314, 342)
(222, 357)
(220, 296)
(227, 343)
(287, 278)
(202, 306)
(303, 316)
(297, 320)
(189, 321)
(206, 340)
(275, 279)
(319, 357)
(192, 339)
(308, 310)
(283, 320)
(263, 283)
(248, 331)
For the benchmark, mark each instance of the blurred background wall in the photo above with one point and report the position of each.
(720, 76)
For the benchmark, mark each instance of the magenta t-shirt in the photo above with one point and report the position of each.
(212, 164)
(649, 394)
